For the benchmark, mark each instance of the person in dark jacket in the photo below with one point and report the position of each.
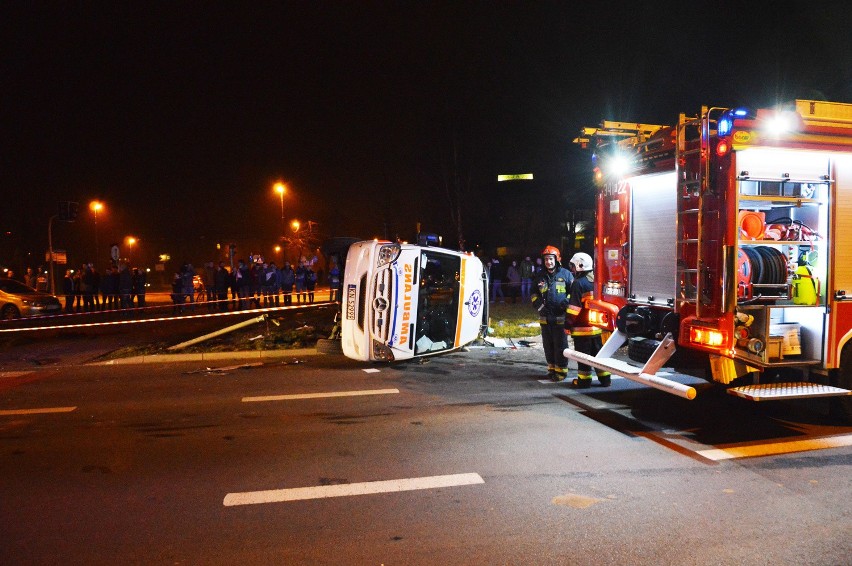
(301, 271)
(125, 286)
(310, 282)
(177, 294)
(243, 280)
(138, 282)
(587, 338)
(496, 274)
(220, 286)
(88, 288)
(68, 290)
(288, 279)
(334, 283)
(550, 299)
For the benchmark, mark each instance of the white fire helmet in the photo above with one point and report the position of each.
(581, 262)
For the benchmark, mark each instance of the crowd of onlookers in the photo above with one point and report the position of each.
(512, 279)
(253, 284)
(118, 287)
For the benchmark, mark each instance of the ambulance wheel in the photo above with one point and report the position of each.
(326, 346)
(841, 407)
(640, 349)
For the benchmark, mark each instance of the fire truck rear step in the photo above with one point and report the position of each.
(645, 375)
(778, 391)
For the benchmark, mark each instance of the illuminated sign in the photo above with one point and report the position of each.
(742, 137)
(520, 177)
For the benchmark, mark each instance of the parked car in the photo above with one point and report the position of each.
(17, 300)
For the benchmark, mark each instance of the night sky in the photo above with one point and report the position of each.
(181, 116)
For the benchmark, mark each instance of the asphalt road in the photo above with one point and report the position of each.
(464, 459)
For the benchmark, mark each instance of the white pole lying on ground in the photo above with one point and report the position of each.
(237, 326)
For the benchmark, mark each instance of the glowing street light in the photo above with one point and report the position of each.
(281, 188)
(96, 206)
(130, 241)
(295, 225)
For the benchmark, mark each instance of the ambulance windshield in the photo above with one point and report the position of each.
(437, 305)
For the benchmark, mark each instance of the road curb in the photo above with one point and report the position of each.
(209, 356)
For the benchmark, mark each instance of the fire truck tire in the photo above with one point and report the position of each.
(326, 346)
(640, 349)
(841, 407)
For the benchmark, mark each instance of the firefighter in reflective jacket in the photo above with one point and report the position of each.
(587, 338)
(550, 299)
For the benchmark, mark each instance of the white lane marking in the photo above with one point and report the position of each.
(774, 448)
(371, 370)
(319, 395)
(14, 373)
(37, 411)
(342, 490)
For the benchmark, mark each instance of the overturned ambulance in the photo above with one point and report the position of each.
(402, 301)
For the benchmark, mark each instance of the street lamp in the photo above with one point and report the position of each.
(96, 206)
(130, 241)
(280, 188)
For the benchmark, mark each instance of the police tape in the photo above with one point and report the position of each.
(173, 317)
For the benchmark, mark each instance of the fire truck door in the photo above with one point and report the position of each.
(840, 277)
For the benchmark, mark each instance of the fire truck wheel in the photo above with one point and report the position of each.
(640, 349)
(841, 407)
(326, 346)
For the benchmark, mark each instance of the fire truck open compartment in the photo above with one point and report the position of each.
(788, 191)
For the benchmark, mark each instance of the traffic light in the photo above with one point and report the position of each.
(68, 210)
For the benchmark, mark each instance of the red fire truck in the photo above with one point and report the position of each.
(727, 237)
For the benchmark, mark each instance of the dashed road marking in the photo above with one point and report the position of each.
(775, 448)
(41, 411)
(343, 490)
(319, 395)
(371, 370)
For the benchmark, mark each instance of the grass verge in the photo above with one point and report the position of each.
(513, 320)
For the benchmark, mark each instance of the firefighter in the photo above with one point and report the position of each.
(587, 338)
(550, 299)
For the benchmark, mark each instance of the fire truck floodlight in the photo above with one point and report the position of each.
(618, 165)
(782, 122)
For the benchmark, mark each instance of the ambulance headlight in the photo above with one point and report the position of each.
(387, 254)
(381, 352)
